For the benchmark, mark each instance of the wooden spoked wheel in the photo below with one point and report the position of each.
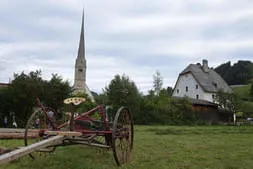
(122, 136)
(37, 124)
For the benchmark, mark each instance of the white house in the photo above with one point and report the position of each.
(199, 82)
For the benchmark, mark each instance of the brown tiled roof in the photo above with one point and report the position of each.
(198, 102)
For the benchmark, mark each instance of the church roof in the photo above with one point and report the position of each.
(207, 78)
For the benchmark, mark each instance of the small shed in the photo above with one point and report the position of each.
(209, 111)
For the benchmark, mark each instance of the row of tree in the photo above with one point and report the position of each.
(236, 74)
(154, 108)
(21, 95)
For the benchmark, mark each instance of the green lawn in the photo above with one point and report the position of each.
(246, 104)
(242, 91)
(158, 147)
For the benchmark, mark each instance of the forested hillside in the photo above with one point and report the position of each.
(238, 73)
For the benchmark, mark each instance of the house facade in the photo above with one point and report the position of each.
(199, 82)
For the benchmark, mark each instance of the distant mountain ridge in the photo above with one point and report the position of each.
(236, 74)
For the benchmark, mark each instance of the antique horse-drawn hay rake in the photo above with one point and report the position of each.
(44, 132)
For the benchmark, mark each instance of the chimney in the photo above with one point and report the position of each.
(205, 66)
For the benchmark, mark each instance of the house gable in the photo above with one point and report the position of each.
(188, 86)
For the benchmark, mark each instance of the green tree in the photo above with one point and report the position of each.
(165, 110)
(23, 91)
(227, 101)
(251, 90)
(123, 92)
(169, 91)
(157, 82)
(20, 96)
(240, 73)
(5, 106)
(223, 69)
(85, 106)
(101, 98)
(55, 91)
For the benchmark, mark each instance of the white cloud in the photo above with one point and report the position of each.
(132, 37)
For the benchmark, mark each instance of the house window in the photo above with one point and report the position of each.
(177, 90)
(215, 84)
(186, 88)
(197, 86)
(197, 96)
(213, 96)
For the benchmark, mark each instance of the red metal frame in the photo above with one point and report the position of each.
(84, 117)
(95, 130)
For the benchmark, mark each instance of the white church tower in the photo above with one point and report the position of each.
(80, 85)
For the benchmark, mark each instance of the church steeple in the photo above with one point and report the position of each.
(81, 49)
(80, 67)
(80, 72)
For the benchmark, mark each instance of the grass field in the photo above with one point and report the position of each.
(158, 147)
(246, 104)
(242, 91)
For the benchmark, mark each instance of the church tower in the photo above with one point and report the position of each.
(80, 67)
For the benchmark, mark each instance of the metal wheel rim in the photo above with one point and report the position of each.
(36, 136)
(123, 136)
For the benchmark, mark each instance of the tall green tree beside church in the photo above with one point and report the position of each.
(55, 91)
(123, 92)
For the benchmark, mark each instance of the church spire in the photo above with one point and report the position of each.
(80, 85)
(81, 49)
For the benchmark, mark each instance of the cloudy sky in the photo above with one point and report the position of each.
(134, 37)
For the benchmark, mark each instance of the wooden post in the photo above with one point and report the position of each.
(64, 133)
(13, 155)
(72, 121)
